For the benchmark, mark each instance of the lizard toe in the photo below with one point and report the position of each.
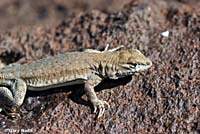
(95, 109)
(99, 106)
(11, 113)
(101, 112)
(107, 104)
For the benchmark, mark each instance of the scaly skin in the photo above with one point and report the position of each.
(88, 68)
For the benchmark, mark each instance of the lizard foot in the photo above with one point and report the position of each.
(14, 116)
(99, 107)
(12, 112)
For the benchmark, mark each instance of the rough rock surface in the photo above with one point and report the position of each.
(164, 99)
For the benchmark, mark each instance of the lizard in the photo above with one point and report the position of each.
(89, 67)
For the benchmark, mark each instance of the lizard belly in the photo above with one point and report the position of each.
(45, 87)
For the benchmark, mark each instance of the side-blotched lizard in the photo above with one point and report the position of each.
(89, 68)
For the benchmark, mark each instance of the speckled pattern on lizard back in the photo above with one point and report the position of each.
(89, 68)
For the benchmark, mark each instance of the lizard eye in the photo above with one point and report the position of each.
(133, 65)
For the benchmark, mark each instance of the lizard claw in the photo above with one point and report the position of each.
(99, 107)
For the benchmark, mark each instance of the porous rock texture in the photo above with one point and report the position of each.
(164, 99)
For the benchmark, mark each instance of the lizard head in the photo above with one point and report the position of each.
(131, 61)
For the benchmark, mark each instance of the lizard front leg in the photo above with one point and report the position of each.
(12, 93)
(99, 105)
(6, 99)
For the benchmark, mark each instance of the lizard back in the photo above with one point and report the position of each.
(58, 69)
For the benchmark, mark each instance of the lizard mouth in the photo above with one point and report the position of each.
(141, 67)
(124, 74)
